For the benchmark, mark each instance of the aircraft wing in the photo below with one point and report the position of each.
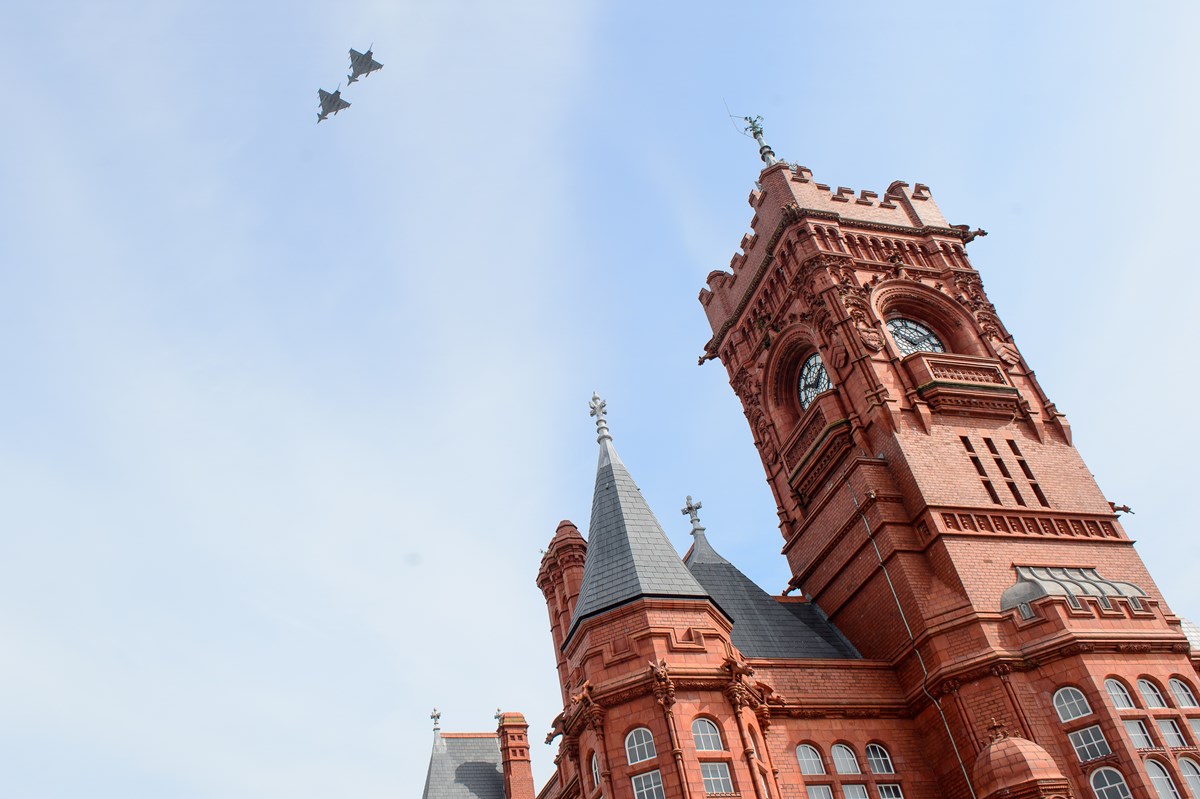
(324, 95)
(355, 55)
(340, 105)
(374, 65)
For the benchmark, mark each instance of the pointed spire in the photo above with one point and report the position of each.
(755, 129)
(628, 555)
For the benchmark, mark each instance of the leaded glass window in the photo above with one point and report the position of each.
(913, 337)
(639, 746)
(878, 760)
(1118, 693)
(1071, 704)
(814, 380)
(1182, 693)
(1151, 694)
(648, 786)
(844, 761)
(810, 759)
(707, 736)
(1107, 783)
(1089, 743)
(1164, 786)
(716, 778)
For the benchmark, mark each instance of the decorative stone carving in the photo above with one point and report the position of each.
(664, 688)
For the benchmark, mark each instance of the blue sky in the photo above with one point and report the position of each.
(291, 408)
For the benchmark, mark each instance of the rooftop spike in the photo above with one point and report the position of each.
(597, 408)
(755, 129)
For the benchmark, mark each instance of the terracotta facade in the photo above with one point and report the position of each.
(932, 505)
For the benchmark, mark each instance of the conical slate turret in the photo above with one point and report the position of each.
(628, 555)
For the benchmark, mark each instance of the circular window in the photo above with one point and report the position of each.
(913, 337)
(814, 380)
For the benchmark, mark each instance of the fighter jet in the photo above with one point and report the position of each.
(362, 64)
(330, 103)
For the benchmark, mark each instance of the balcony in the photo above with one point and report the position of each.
(963, 384)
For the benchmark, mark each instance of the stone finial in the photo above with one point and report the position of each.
(436, 715)
(755, 129)
(597, 407)
(690, 510)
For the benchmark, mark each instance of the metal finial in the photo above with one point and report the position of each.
(597, 407)
(755, 129)
(499, 713)
(690, 510)
(436, 715)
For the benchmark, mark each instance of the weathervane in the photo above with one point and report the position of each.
(755, 129)
(597, 407)
(690, 510)
(436, 715)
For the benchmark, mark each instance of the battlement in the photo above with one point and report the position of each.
(787, 194)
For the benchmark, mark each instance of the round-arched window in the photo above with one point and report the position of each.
(1182, 693)
(810, 759)
(844, 761)
(1107, 783)
(595, 771)
(1164, 786)
(1191, 774)
(1071, 704)
(639, 746)
(1150, 694)
(1118, 693)
(707, 736)
(878, 760)
(814, 380)
(913, 337)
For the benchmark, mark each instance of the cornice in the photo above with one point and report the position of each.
(791, 214)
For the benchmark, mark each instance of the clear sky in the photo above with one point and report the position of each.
(290, 409)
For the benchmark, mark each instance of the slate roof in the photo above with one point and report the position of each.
(628, 554)
(464, 766)
(764, 627)
(1192, 631)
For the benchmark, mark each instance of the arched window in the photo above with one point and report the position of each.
(707, 736)
(1150, 694)
(595, 771)
(1071, 704)
(814, 380)
(1164, 786)
(639, 746)
(913, 337)
(1182, 693)
(844, 761)
(1107, 783)
(1118, 694)
(878, 760)
(810, 759)
(1191, 774)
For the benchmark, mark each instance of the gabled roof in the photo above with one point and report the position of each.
(628, 554)
(763, 626)
(464, 766)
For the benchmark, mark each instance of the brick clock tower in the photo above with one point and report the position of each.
(966, 617)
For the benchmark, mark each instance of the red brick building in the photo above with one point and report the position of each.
(967, 617)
